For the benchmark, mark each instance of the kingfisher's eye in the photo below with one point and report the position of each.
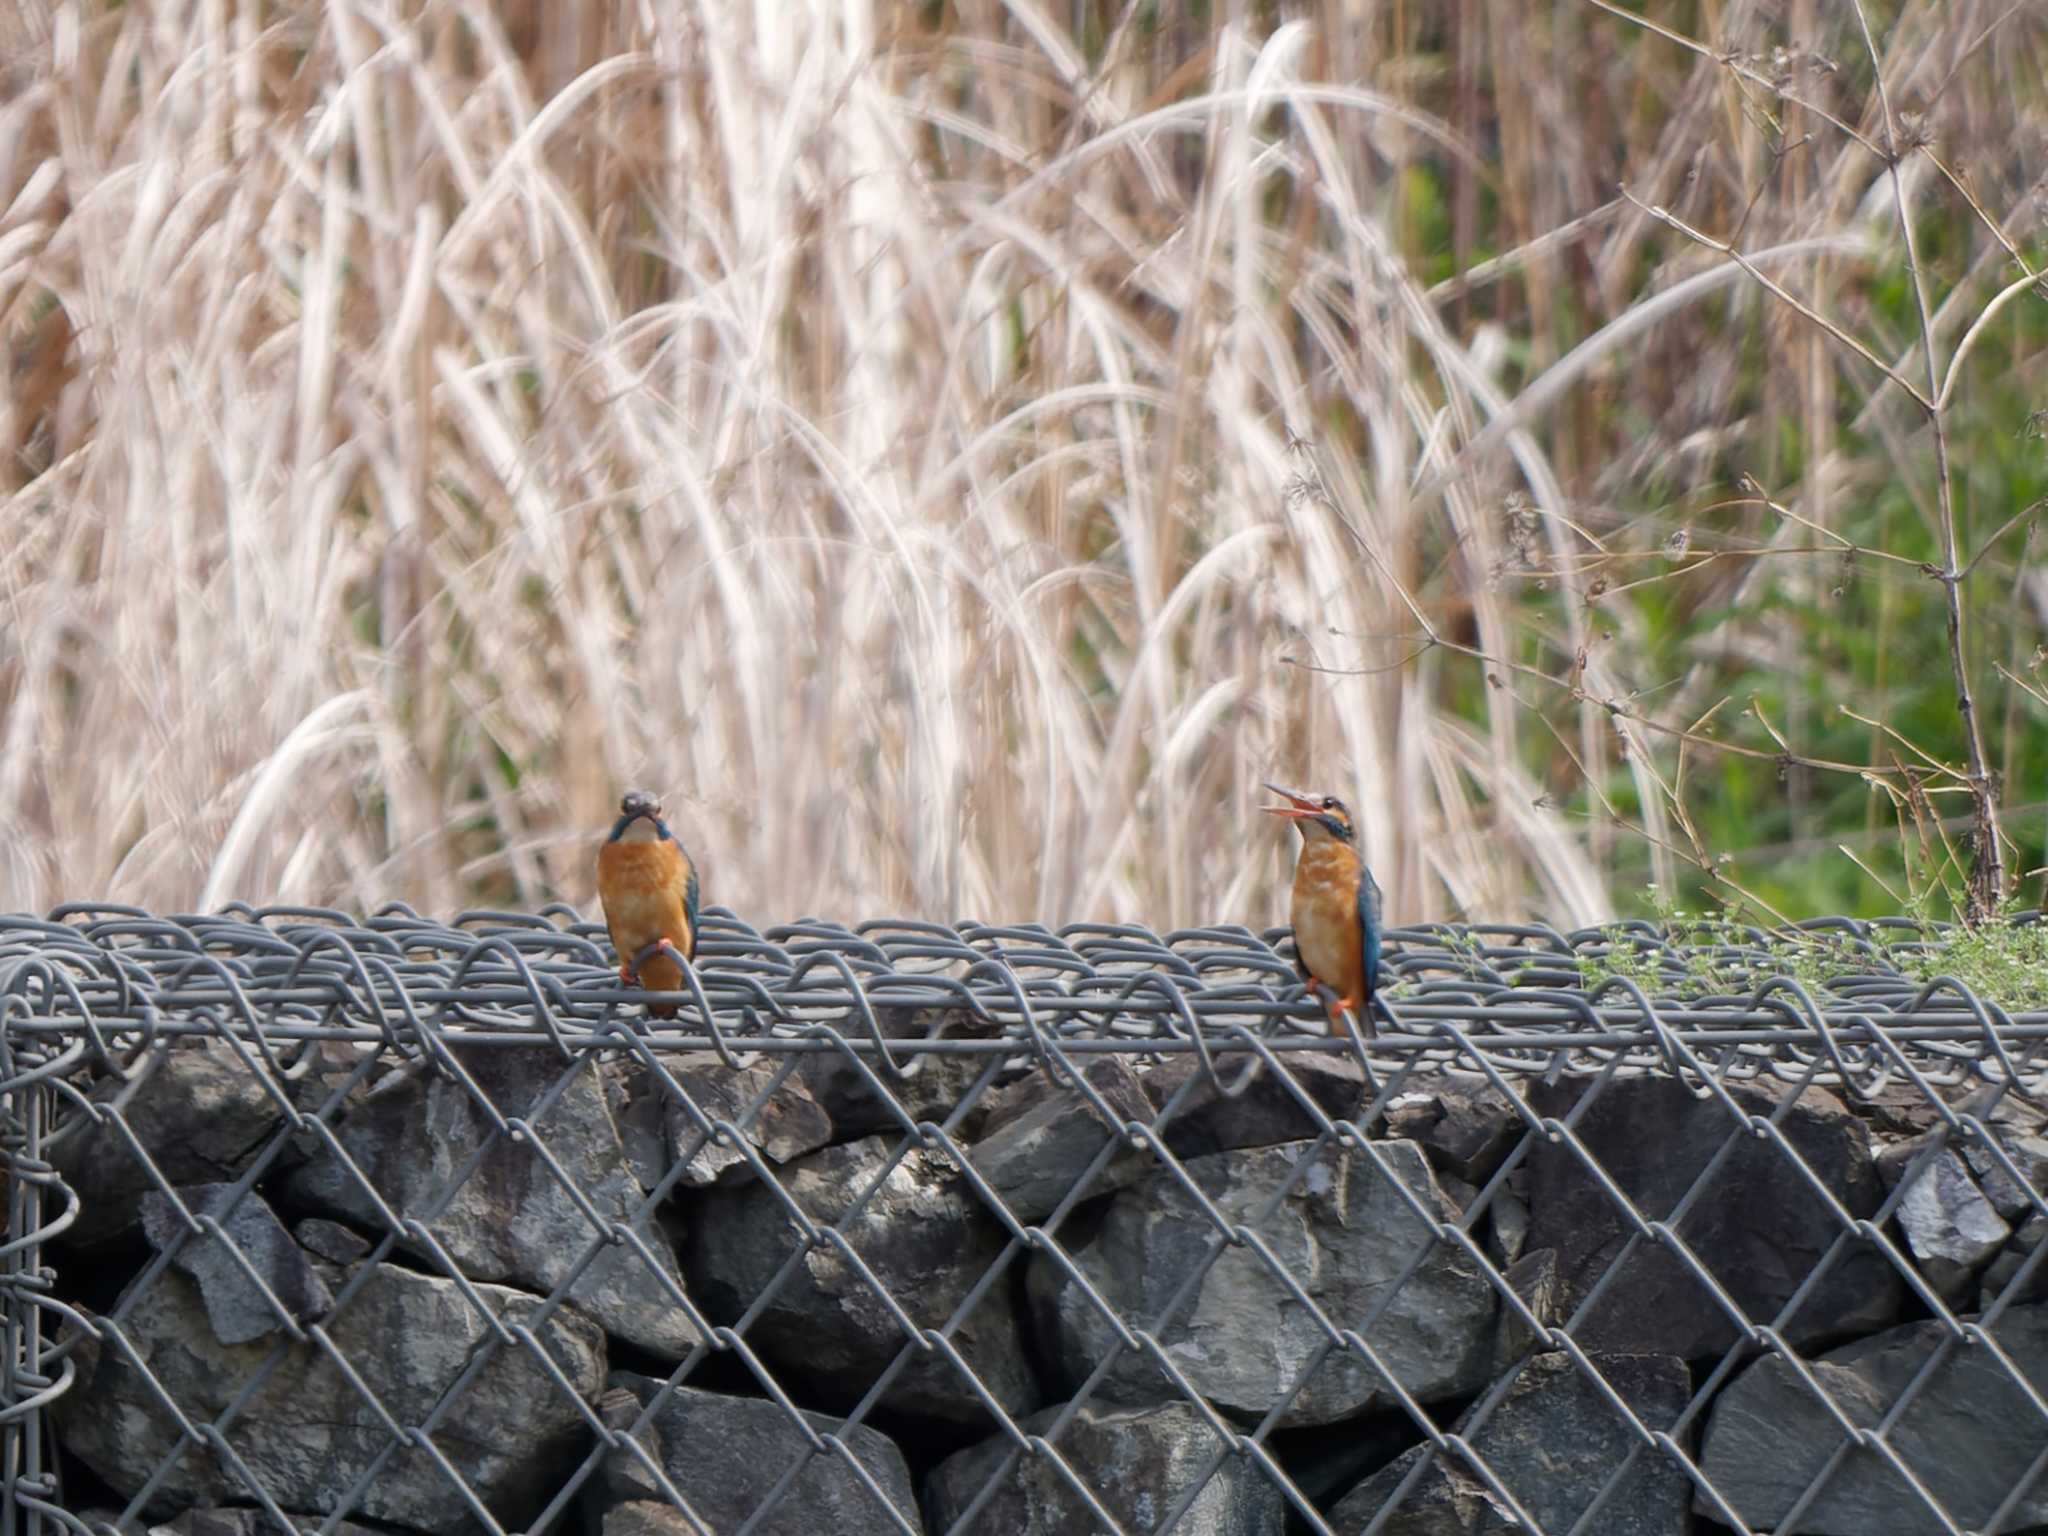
(1329, 802)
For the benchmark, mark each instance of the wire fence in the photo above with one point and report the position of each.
(317, 1221)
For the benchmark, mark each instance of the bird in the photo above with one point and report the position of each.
(1336, 914)
(649, 890)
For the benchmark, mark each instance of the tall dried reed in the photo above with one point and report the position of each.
(954, 452)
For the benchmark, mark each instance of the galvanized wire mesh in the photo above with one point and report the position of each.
(912, 1226)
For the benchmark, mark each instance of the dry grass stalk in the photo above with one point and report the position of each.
(877, 434)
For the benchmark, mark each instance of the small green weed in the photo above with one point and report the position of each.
(2002, 960)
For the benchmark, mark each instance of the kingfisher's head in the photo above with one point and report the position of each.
(1314, 816)
(639, 819)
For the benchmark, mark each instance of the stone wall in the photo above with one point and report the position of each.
(421, 1293)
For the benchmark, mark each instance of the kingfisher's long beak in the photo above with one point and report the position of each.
(1300, 810)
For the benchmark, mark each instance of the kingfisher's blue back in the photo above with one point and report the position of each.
(1369, 937)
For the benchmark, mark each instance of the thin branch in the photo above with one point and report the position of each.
(2032, 690)
(1987, 879)
(1779, 291)
(1964, 191)
(2011, 291)
(1847, 546)
(1882, 883)
(1734, 66)
(2004, 528)
(1911, 746)
(1620, 711)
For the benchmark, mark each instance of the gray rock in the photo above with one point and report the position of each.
(927, 1239)
(235, 1307)
(637, 1105)
(331, 1248)
(242, 1522)
(1510, 1214)
(1894, 1157)
(328, 1068)
(1950, 1228)
(622, 1476)
(724, 1455)
(1755, 1227)
(2015, 1201)
(645, 1517)
(306, 1434)
(1041, 1136)
(1463, 1124)
(1898, 1108)
(926, 1088)
(1265, 1114)
(330, 1078)
(1457, 1191)
(1902, 1108)
(1535, 1279)
(658, 1128)
(1138, 1462)
(510, 1221)
(197, 1110)
(330, 1240)
(2004, 1269)
(1325, 1464)
(1344, 1232)
(1968, 1435)
(1553, 1442)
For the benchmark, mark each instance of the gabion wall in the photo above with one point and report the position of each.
(319, 1223)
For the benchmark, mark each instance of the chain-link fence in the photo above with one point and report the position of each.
(326, 1223)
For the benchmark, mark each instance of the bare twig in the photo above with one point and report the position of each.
(1987, 876)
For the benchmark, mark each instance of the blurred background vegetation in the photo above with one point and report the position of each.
(956, 451)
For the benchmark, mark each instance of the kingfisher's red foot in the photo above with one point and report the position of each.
(651, 950)
(628, 976)
(1336, 1007)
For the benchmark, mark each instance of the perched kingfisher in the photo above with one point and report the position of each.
(649, 889)
(1336, 912)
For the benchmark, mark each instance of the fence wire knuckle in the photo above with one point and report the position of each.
(339, 1223)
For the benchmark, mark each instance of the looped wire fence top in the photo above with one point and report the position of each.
(905, 1226)
(302, 971)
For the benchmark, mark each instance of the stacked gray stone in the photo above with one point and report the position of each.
(633, 1298)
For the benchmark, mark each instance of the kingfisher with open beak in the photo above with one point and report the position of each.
(1336, 912)
(649, 889)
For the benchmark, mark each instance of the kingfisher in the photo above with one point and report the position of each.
(1336, 912)
(649, 889)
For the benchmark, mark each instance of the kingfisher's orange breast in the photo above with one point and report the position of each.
(1325, 916)
(643, 887)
